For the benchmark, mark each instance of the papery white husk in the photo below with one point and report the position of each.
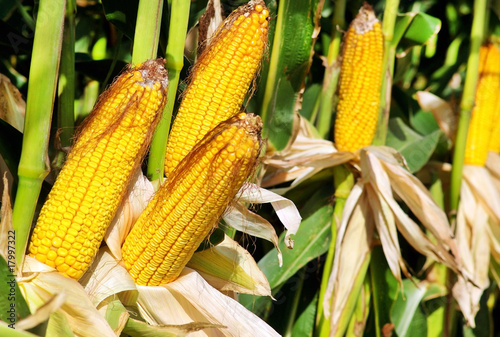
(477, 234)
(285, 210)
(190, 298)
(352, 248)
(42, 284)
(371, 205)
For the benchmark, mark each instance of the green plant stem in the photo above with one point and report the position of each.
(467, 102)
(33, 166)
(390, 13)
(175, 61)
(147, 30)
(66, 85)
(331, 72)
(344, 181)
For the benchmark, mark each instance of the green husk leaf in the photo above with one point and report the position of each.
(295, 34)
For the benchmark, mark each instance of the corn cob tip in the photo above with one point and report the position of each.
(365, 20)
(252, 123)
(152, 72)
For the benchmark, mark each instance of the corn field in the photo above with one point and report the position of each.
(250, 168)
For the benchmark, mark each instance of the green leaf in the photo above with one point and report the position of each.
(416, 149)
(414, 29)
(304, 325)
(384, 289)
(12, 303)
(405, 311)
(288, 66)
(311, 241)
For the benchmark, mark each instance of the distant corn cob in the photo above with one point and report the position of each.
(90, 186)
(360, 82)
(188, 206)
(486, 101)
(219, 80)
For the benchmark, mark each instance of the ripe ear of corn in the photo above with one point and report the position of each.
(486, 102)
(188, 206)
(95, 176)
(219, 80)
(360, 82)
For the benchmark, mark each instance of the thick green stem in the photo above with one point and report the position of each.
(467, 103)
(175, 61)
(332, 71)
(390, 13)
(33, 166)
(147, 30)
(344, 181)
(66, 85)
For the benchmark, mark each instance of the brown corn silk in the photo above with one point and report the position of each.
(189, 205)
(95, 177)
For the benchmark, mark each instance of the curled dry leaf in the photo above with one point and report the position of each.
(441, 110)
(477, 235)
(12, 105)
(285, 209)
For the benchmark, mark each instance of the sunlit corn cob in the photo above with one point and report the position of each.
(486, 101)
(495, 133)
(95, 177)
(360, 82)
(219, 80)
(188, 206)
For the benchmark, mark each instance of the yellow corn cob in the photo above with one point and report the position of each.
(486, 101)
(360, 82)
(90, 186)
(495, 132)
(219, 80)
(188, 206)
